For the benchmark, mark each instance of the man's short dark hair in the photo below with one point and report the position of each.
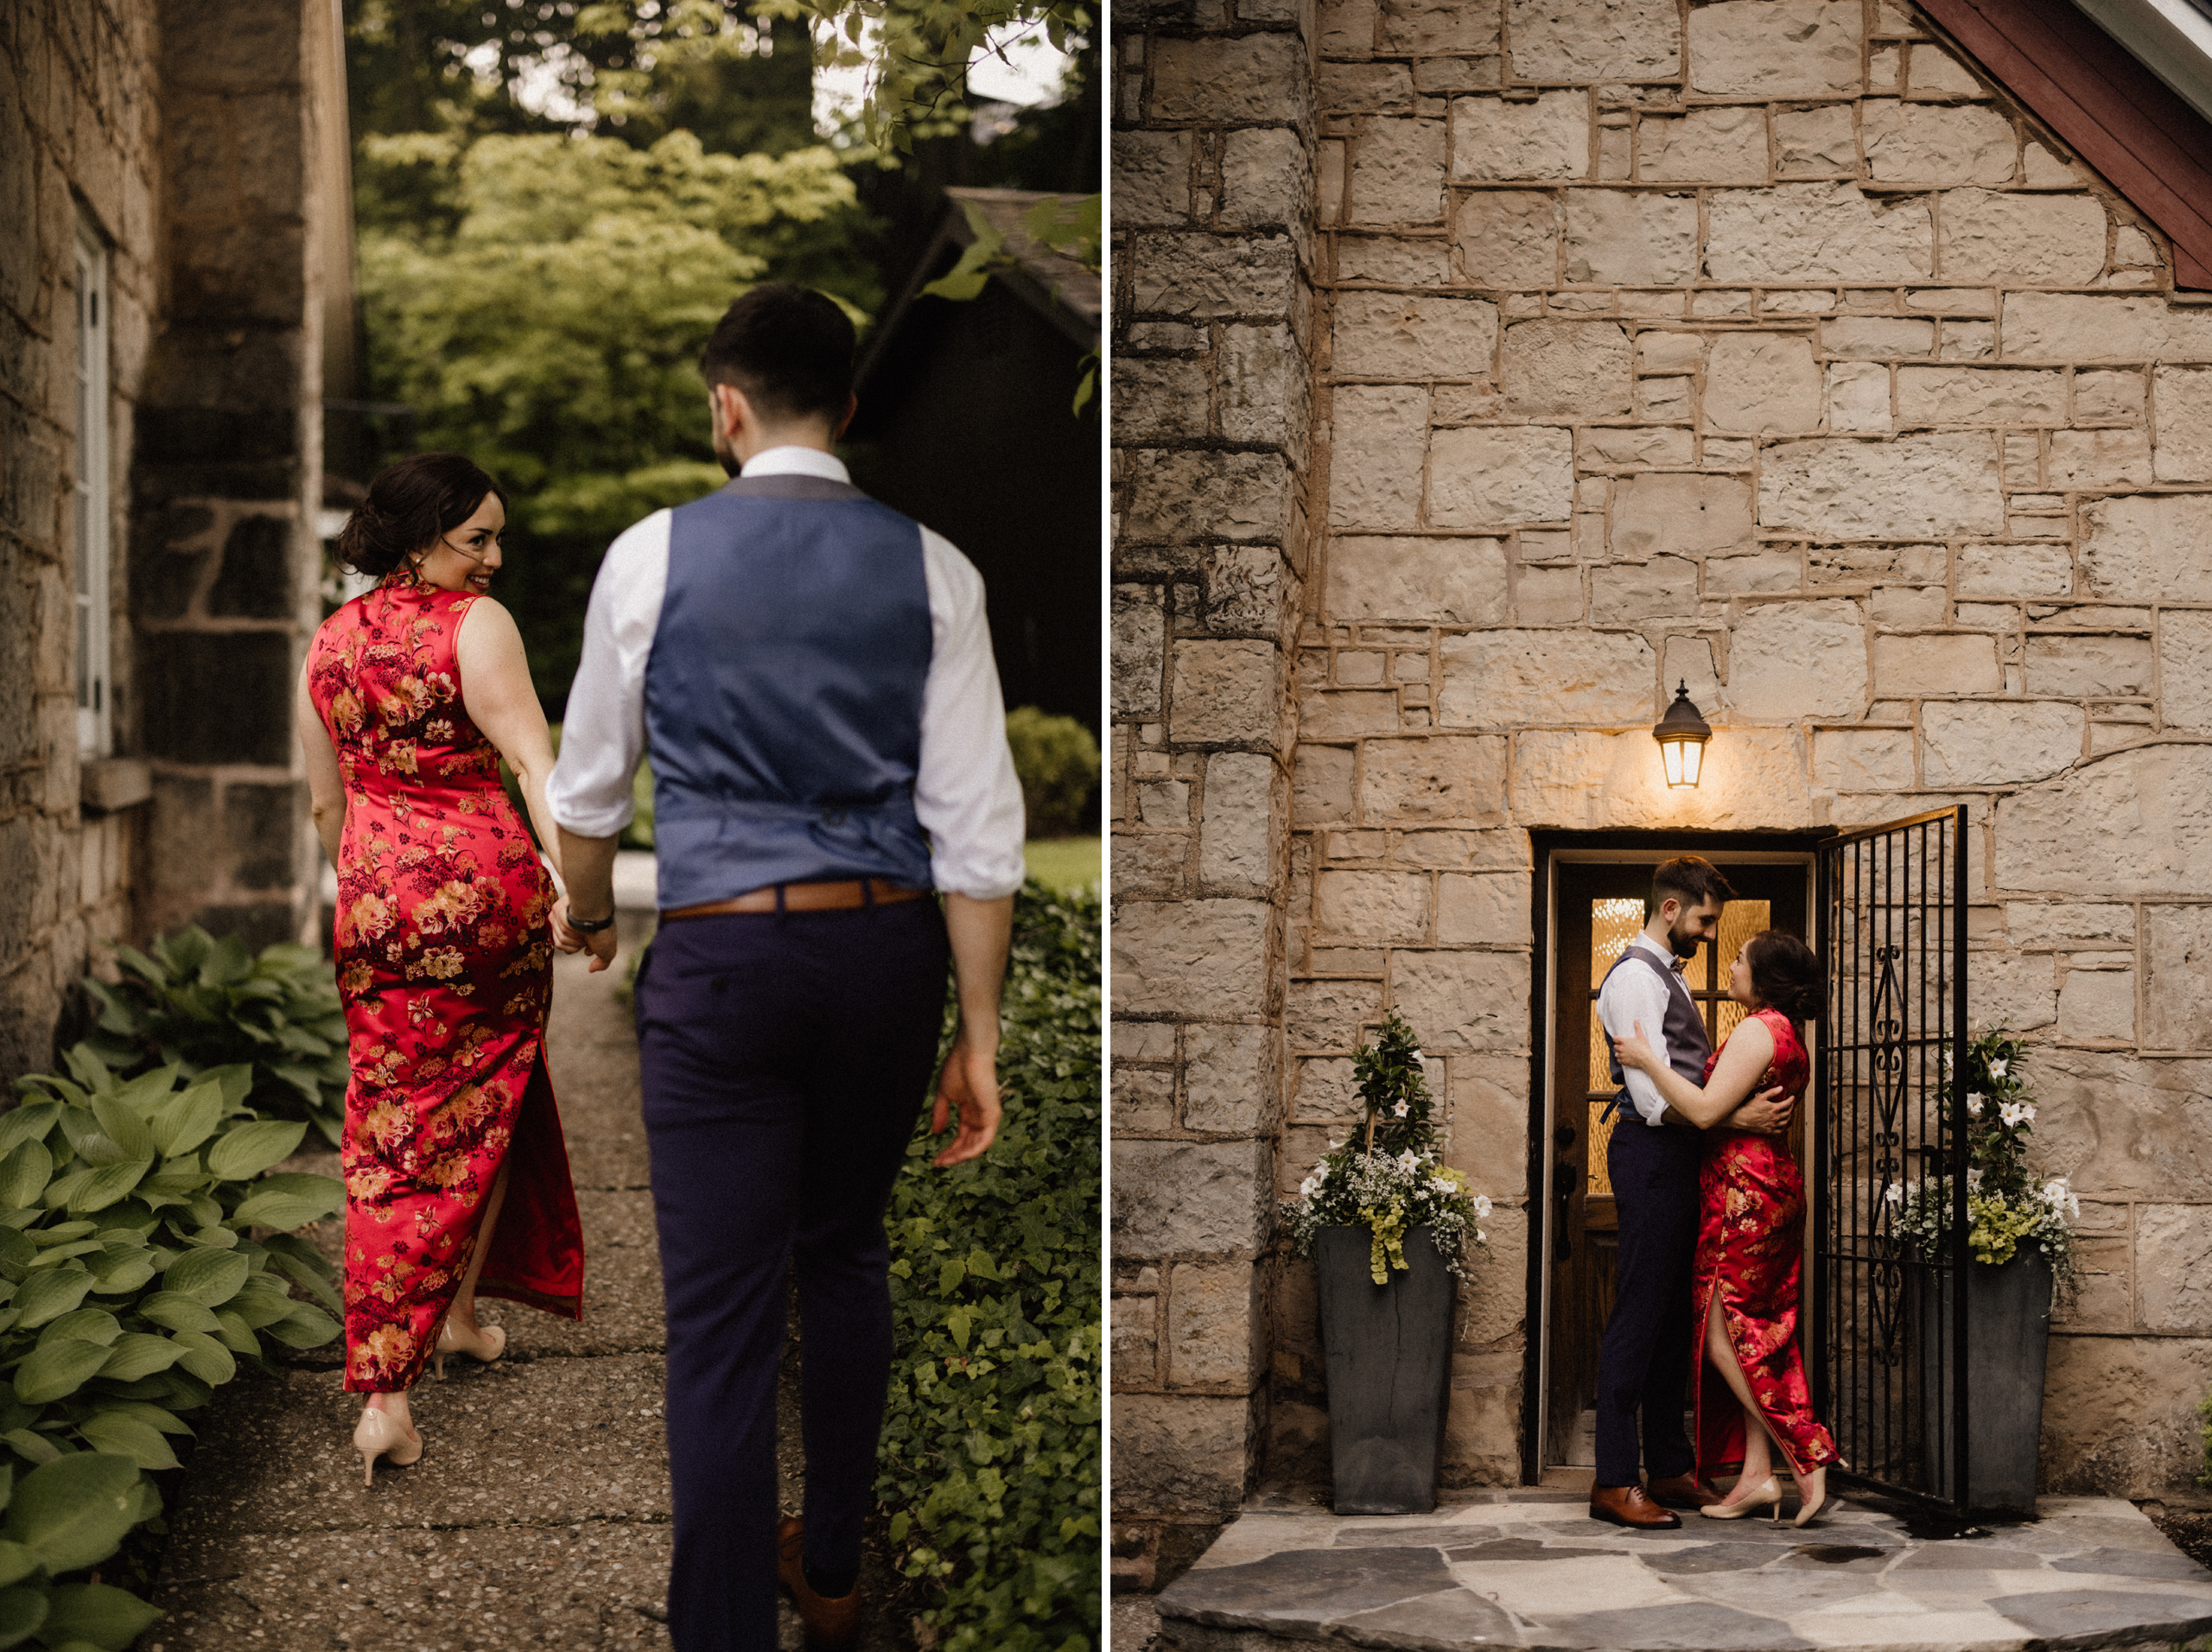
(1689, 879)
(789, 349)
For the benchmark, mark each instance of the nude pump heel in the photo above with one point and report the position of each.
(377, 1435)
(1811, 1508)
(1767, 1493)
(493, 1343)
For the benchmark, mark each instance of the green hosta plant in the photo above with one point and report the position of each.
(200, 1003)
(2006, 1206)
(1388, 1176)
(131, 1284)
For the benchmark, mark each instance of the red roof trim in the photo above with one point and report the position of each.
(2120, 117)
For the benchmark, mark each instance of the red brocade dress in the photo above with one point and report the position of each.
(444, 955)
(1750, 1248)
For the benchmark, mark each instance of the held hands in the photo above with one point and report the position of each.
(567, 938)
(969, 1083)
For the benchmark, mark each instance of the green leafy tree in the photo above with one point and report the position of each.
(540, 302)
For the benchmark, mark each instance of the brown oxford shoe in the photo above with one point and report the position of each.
(1627, 1505)
(831, 1625)
(1684, 1491)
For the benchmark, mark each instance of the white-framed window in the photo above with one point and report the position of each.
(94, 692)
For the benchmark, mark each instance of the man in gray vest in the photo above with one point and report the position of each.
(1643, 1363)
(812, 675)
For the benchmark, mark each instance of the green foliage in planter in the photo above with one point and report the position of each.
(130, 1287)
(1058, 762)
(201, 1003)
(990, 1462)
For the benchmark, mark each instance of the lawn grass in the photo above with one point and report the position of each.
(1066, 864)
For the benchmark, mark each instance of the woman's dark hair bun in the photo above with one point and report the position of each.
(409, 507)
(1786, 973)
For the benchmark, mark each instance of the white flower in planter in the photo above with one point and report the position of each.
(1997, 1068)
(2016, 1114)
(1400, 1110)
(1973, 1104)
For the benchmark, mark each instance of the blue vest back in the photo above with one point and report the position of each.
(783, 692)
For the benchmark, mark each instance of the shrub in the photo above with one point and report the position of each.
(130, 1287)
(199, 1003)
(990, 1461)
(1058, 761)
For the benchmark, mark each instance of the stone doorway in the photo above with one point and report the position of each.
(1591, 898)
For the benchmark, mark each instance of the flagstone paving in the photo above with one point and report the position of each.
(1528, 1568)
(538, 1514)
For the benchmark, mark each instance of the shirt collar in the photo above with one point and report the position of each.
(1666, 954)
(793, 460)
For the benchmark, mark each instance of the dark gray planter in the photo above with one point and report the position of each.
(2008, 1338)
(1389, 1351)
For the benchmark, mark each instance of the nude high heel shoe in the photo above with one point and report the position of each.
(1767, 1493)
(378, 1434)
(483, 1345)
(1814, 1499)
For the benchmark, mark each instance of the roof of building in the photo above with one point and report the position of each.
(1059, 288)
(2131, 92)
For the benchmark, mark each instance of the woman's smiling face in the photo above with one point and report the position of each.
(465, 557)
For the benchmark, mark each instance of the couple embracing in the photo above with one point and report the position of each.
(811, 676)
(1711, 1206)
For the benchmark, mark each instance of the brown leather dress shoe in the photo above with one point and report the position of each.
(1627, 1505)
(1684, 1492)
(831, 1625)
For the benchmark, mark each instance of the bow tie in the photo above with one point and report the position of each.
(1679, 965)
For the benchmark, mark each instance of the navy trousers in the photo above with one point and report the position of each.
(1643, 1363)
(784, 1058)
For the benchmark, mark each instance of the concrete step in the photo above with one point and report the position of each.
(1528, 1567)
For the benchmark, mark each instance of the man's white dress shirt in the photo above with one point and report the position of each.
(1634, 995)
(966, 794)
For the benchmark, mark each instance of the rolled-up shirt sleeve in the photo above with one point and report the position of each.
(1630, 997)
(966, 794)
(603, 734)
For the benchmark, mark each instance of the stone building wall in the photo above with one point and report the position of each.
(204, 147)
(1764, 344)
(225, 565)
(79, 142)
(1213, 193)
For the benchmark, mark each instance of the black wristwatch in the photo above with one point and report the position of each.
(591, 925)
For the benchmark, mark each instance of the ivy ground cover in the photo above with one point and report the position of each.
(990, 1464)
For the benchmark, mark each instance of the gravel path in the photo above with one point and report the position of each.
(538, 1514)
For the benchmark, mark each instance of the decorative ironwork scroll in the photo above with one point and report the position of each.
(1887, 1345)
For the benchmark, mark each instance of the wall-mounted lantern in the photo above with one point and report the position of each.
(1682, 734)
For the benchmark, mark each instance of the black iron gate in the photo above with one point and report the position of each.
(1888, 1330)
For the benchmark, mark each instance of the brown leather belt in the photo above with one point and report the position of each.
(833, 897)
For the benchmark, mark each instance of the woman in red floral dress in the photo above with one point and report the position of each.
(456, 1178)
(1751, 1386)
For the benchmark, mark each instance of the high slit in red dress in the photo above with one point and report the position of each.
(1750, 1249)
(444, 956)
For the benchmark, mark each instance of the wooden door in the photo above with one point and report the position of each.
(1599, 908)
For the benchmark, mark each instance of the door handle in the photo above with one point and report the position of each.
(1562, 1136)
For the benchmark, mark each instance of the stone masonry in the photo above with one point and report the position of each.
(204, 149)
(1213, 238)
(1764, 344)
(79, 136)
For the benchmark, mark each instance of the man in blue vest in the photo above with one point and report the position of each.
(812, 674)
(1643, 1362)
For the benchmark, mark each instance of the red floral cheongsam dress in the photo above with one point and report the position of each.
(444, 955)
(1751, 1248)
